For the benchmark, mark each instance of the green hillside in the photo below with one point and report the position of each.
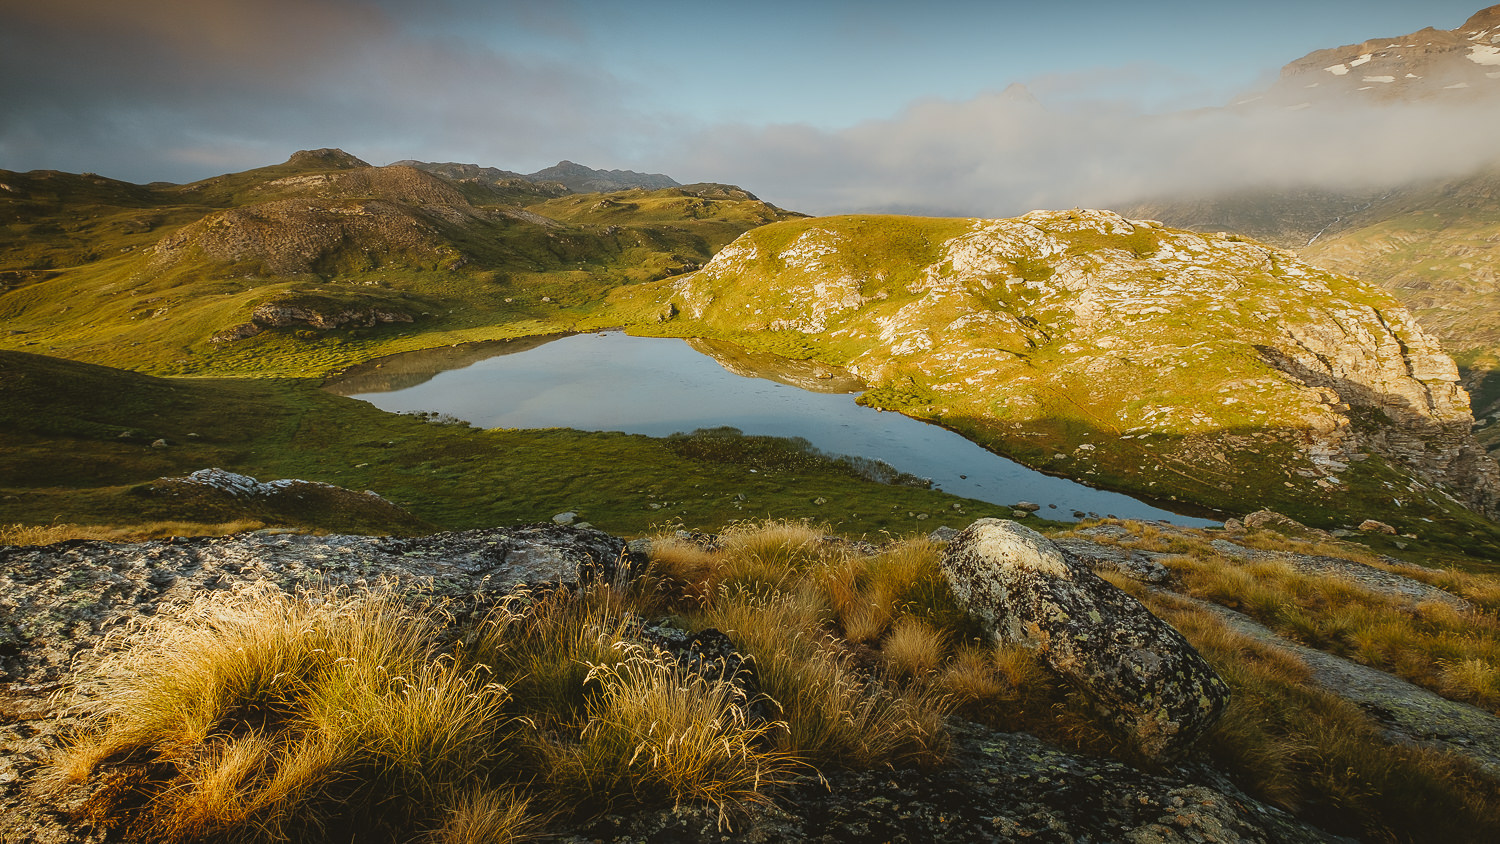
(77, 445)
(1208, 369)
(1432, 244)
(357, 261)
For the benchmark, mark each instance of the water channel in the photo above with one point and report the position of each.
(657, 386)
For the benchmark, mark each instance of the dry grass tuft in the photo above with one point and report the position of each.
(481, 815)
(914, 650)
(769, 555)
(684, 567)
(659, 732)
(262, 716)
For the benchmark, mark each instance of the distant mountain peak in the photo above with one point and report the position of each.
(327, 158)
(573, 177)
(581, 179)
(1482, 20)
(1430, 64)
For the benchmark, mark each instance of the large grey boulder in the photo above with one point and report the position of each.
(59, 600)
(1142, 676)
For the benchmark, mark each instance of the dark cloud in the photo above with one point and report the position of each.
(155, 89)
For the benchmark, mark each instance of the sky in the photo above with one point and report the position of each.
(822, 107)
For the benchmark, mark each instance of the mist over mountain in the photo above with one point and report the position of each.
(1008, 152)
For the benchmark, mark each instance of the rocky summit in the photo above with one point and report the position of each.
(1117, 351)
(1430, 65)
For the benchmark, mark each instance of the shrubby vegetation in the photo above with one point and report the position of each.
(258, 716)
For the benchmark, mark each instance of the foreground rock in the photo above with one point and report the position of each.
(999, 787)
(1142, 675)
(56, 600)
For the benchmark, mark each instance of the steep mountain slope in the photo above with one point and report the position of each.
(1228, 372)
(284, 265)
(1435, 245)
(1432, 242)
(1459, 64)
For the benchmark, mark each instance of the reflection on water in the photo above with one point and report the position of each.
(658, 387)
(398, 372)
(805, 374)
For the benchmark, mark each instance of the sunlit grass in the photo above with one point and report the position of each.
(260, 716)
(22, 534)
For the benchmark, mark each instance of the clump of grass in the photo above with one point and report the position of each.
(1451, 650)
(262, 716)
(767, 555)
(835, 713)
(868, 594)
(914, 650)
(487, 815)
(660, 732)
(544, 647)
(684, 567)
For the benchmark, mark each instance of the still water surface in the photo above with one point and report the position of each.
(658, 386)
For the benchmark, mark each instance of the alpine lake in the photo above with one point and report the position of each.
(612, 381)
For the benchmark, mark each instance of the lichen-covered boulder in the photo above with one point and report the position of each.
(1142, 676)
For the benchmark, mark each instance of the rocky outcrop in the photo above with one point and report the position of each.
(313, 312)
(1143, 676)
(216, 494)
(62, 598)
(313, 222)
(1462, 64)
(1040, 334)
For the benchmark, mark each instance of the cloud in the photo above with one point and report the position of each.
(154, 89)
(184, 89)
(1003, 153)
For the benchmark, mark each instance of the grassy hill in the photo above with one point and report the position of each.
(1432, 244)
(1131, 357)
(1209, 369)
(146, 277)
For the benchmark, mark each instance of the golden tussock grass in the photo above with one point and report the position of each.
(1451, 650)
(914, 649)
(252, 716)
(768, 555)
(481, 815)
(1292, 743)
(658, 732)
(21, 534)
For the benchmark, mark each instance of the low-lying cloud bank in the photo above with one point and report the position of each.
(1004, 154)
